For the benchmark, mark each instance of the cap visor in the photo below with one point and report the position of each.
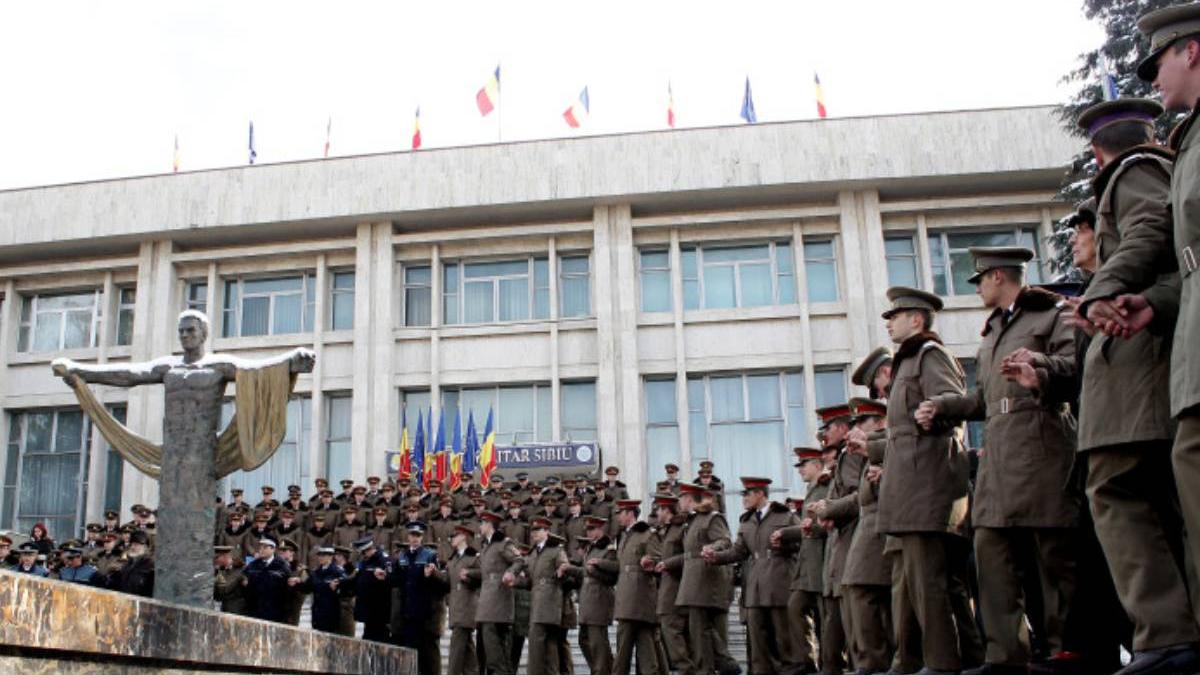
(1147, 70)
(974, 278)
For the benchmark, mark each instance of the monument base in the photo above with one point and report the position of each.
(57, 627)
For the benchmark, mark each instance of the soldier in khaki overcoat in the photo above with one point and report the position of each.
(672, 618)
(545, 572)
(499, 564)
(462, 600)
(634, 609)
(596, 595)
(808, 539)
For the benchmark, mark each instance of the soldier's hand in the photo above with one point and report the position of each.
(806, 525)
(380, 573)
(333, 585)
(508, 579)
(776, 539)
(292, 581)
(818, 508)
(660, 567)
(462, 575)
(1138, 313)
(874, 473)
(591, 564)
(562, 570)
(1021, 373)
(245, 581)
(925, 414)
(856, 441)
(647, 563)
(1022, 355)
(430, 570)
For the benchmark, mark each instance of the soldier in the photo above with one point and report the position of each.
(293, 594)
(28, 561)
(545, 569)
(704, 590)
(1020, 506)
(808, 539)
(463, 601)
(323, 583)
(342, 556)
(923, 492)
(380, 527)
(296, 503)
(672, 618)
(265, 581)
(349, 529)
(598, 502)
(345, 495)
(496, 573)
(75, 569)
(635, 615)
(523, 489)
(372, 493)
(867, 576)
(514, 527)
(319, 534)
(291, 528)
(766, 573)
(672, 479)
(596, 595)
(706, 479)
(259, 530)
(414, 571)
(372, 596)
(91, 545)
(616, 489)
(228, 589)
(109, 559)
(321, 484)
(838, 513)
(573, 527)
(441, 527)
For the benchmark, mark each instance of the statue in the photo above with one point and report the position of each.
(193, 456)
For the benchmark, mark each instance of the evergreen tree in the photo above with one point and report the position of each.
(1124, 47)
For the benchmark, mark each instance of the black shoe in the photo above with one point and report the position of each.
(1166, 661)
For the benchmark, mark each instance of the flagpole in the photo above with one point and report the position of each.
(499, 108)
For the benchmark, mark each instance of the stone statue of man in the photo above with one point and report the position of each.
(194, 388)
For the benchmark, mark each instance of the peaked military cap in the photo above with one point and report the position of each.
(611, 471)
(267, 542)
(540, 524)
(671, 467)
(218, 550)
(139, 537)
(864, 374)
(988, 258)
(834, 413)
(628, 504)
(1164, 27)
(903, 298)
(867, 407)
(692, 489)
(666, 500)
(465, 529)
(364, 543)
(755, 483)
(1107, 113)
(111, 515)
(596, 521)
(324, 550)
(343, 550)
(415, 527)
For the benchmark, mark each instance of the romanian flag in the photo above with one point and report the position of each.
(820, 97)
(471, 449)
(487, 452)
(455, 454)
(328, 132)
(416, 141)
(405, 468)
(670, 107)
(175, 162)
(578, 112)
(440, 461)
(419, 463)
(489, 96)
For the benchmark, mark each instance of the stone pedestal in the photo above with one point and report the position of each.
(56, 627)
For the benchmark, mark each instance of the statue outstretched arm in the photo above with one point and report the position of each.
(117, 374)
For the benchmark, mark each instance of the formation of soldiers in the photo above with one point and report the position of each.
(1058, 543)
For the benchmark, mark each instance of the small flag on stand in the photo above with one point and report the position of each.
(489, 96)
(1108, 83)
(175, 162)
(253, 153)
(748, 113)
(670, 107)
(328, 134)
(416, 139)
(820, 96)
(487, 452)
(405, 468)
(579, 110)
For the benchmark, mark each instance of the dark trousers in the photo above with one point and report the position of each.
(636, 637)
(497, 647)
(462, 652)
(804, 616)
(544, 642)
(377, 631)
(833, 636)
(708, 631)
(597, 652)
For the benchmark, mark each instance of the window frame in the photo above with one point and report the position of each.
(233, 328)
(946, 264)
(124, 308)
(27, 321)
(698, 248)
(335, 293)
(642, 270)
(82, 475)
(809, 261)
(564, 276)
(530, 277)
(406, 286)
(915, 257)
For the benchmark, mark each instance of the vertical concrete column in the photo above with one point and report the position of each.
(681, 390)
(607, 410)
(316, 402)
(436, 321)
(137, 413)
(1049, 251)
(10, 317)
(97, 477)
(876, 257)
(384, 405)
(854, 275)
(629, 383)
(555, 385)
(216, 317)
(806, 342)
(925, 262)
(363, 363)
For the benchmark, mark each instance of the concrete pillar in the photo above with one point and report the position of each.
(436, 320)
(384, 403)
(316, 402)
(806, 338)
(555, 385)
(10, 317)
(1049, 252)
(97, 477)
(852, 265)
(607, 410)
(924, 262)
(363, 364)
(216, 317)
(629, 381)
(681, 392)
(873, 252)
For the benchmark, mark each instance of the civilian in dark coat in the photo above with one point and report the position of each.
(373, 598)
(266, 584)
(136, 576)
(323, 582)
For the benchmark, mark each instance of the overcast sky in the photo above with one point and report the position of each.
(97, 90)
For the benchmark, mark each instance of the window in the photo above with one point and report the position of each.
(196, 296)
(49, 450)
(831, 387)
(55, 322)
(490, 292)
(577, 411)
(289, 465)
(662, 427)
(574, 286)
(418, 291)
(820, 266)
(114, 466)
(901, 254)
(952, 265)
(654, 274)
(273, 306)
(975, 428)
(521, 414)
(126, 299)
(338, 433)
(717, 277)
(342, 301)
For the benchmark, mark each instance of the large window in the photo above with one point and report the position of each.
(491, 292)
(654, 276)
(901, 251)
(717, 277)
(62, 321)
(195, 297)
(952, 264)
(521, 414)
(289, 465)
(114, 466)
(338, 433)
(820, 267)
(271, 306)
(418, 291)
(577, 411)
(574, 286)
(342, 301)
(46, 474)
(743, 422)
(126, 298)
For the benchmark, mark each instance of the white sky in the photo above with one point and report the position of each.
(100, 89)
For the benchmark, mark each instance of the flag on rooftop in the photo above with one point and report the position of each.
(328, 133)
(253, 153)
(748, 113)
(175, 161)
(820, 96)
(579, 110)
(489, 96)
(670, 107)
(416, 139)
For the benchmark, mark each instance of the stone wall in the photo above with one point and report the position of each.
(51, 626)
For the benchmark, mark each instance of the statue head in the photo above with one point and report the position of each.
(193, 330)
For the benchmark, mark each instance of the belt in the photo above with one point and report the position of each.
(758, 555)
(1008, 404)
(1188, 255)
(631, 568)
